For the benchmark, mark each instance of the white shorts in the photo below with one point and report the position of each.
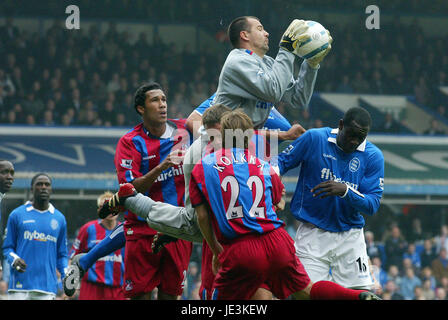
(30, 295)
(340, 257)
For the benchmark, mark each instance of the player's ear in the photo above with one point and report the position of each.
(140, 109)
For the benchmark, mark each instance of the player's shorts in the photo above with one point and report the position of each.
(254, 260)
(30, 295)
(165, 270)
(97, 291)
(340, 257)
(206, 291)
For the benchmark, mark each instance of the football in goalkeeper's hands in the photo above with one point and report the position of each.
(318, 41)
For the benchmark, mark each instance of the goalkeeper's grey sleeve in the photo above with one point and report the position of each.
(301, 89)
(253, 83)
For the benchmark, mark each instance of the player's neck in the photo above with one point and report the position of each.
(109, 224)
(41, 205)
(156, 130)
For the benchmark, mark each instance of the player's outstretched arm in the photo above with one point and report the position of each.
(205, 226)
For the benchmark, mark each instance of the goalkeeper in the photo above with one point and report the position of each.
(253, 81)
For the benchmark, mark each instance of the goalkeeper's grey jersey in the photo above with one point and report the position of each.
(256, 84)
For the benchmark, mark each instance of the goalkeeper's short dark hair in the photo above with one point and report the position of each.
(235, 27)
(140, 94)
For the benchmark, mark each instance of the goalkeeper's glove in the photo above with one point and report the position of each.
(314, 61)
(294, 35)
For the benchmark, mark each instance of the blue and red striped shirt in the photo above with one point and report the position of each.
(107, 270)
(241, 191)
(137, 153)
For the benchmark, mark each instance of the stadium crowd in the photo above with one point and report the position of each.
(83, 78)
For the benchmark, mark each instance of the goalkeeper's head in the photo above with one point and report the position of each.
(247, 32)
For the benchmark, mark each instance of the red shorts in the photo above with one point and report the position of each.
(207, 276)
(144, 270)
(97, 291)
(254, 260)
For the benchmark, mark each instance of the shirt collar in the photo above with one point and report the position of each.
(30, 207)
(361, 147)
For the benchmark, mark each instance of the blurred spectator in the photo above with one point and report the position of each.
(408, 284)
(379, 273)
(428, 253)
(441, 110)
(377, 83)
(395, 246)
(418, 293)
(415, 231)
(48, 118)
(427, 291)
(427, 275)
(441, 240)
(440, 294)
(440, 265)
(360, 85)
(372, 248)
(413, 256)
(421, 91)
(391, 290)
(389, 125)
(434, 128)
(345, 85)
(393, 274)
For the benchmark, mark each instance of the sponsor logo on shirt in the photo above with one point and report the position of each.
(329, 156)
(38, 236)
(112, 258)
(126, 163)
(264, 105)
(29, 221)
(172, 172)
(326, 174)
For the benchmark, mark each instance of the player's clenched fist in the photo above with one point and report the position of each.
(173, 159)
(294, 35)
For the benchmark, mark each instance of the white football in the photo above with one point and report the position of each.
(316, 44)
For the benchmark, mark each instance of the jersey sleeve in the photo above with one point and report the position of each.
(10, 242)
(295, 153)
(205, 105)
(277, 187)
(80, 243)
(196, 185)
(368, 196)
(300, 90)
(127, 161)
(267, 84)
(62, 254)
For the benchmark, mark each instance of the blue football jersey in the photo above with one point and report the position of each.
(320, 159)
(39, 238)
(275, 120)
